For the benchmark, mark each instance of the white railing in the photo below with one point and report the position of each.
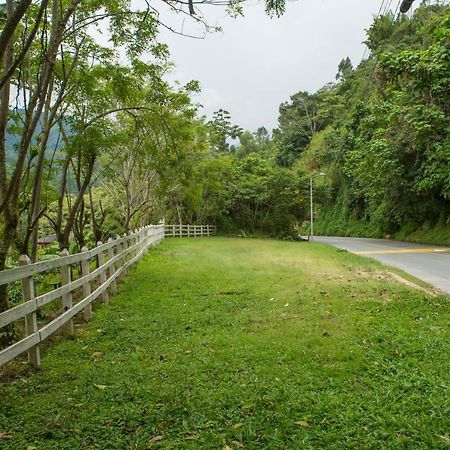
(189, 230)
(113, 259)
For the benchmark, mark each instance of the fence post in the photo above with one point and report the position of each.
(66, 299)
(136, 242)
(141, 245)
(85, 271)
(125, 256)
(150, 236)
(34, 354)
(101, 262)
(154, 235)
(119, 261)
(145, 240)
(133, 244)
(112, 268)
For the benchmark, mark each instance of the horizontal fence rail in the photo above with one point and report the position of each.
(112, 260)
(189, 230)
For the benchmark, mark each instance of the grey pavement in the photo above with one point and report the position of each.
(430, 263)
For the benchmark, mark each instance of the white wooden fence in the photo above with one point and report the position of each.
(189, 230)
(113, 260)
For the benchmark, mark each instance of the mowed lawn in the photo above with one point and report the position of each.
(220, 343)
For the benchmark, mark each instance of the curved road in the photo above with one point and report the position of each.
(429, 263)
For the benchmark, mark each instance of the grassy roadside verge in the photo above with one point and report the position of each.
(228, 342)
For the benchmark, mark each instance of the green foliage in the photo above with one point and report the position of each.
(264, 198)
(257, 142)
(345, 68)
(221, 130)
(298, 121)
(386, 142)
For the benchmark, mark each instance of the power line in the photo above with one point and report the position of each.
(386, 9)
(377, 16)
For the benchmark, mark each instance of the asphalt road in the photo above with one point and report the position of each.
(429, 263)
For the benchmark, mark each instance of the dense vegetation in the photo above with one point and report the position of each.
(93, 140)
(230, 343)
(386, 145)
(381, 134)
(95, 146)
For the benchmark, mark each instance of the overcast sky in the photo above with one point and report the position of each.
(258, 62)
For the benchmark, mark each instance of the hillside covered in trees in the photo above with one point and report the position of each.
(380, 133)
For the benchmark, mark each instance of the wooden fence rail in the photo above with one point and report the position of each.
(113, 259)
(189, 230)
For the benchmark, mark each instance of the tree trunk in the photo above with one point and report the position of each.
(9, 224)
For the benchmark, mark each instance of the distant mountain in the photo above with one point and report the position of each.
(12, 141)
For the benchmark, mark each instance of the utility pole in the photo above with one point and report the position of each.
(311, 204)
(311, 233)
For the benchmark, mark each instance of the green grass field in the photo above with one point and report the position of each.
(219, 343)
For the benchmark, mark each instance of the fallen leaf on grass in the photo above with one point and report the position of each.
(441, 437)
(102, 387)
(226, 447)
(238, 444)
(97, 354)
(31, 448)
(156, 438)
(191, 437)
(5, 436)
(302, 423)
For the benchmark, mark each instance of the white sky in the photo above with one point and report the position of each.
(258, 62)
